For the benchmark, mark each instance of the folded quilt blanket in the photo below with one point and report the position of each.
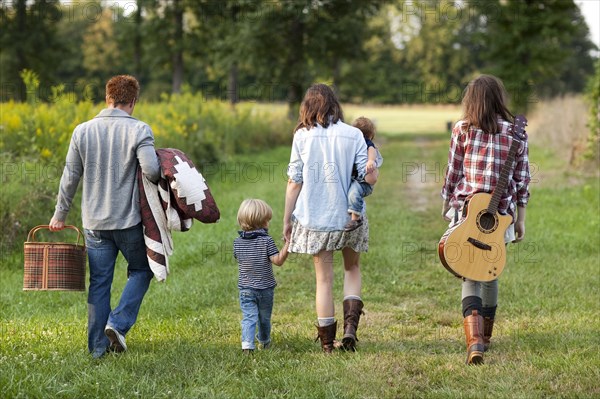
(180, 196)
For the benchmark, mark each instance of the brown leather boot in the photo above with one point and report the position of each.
(488, 326)
(352, 311)
(327, 336)
(474, 334)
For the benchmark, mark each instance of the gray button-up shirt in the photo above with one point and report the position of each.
(105, 153)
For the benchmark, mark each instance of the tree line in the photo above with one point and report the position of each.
(419, 51)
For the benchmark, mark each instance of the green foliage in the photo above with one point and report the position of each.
(35, 138)
(421, 51)
(533, 45)
(29, 40)
(32, 84)
(593, 97)
(212, 130)
(186, 343)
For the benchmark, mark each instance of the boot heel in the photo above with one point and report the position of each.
(473, 325)
(349, 343)
(326, 335)
(475, 355)
(353, 308)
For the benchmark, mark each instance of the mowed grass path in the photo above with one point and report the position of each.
(186, 341)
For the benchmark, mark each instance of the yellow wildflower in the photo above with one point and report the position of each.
(46, 153)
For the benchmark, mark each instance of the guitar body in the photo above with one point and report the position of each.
(474, 248)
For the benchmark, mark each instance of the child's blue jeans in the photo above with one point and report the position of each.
(356, 193)
(257, 306)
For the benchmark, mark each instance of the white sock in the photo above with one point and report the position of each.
(325, 321)
(352, 297)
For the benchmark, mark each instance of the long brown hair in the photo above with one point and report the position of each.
(484, 101)
(320, 105)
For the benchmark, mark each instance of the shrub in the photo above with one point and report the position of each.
(593, 98)
(34, 139)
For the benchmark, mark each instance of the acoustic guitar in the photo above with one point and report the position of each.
(474, 247)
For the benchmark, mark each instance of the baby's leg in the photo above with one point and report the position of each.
(355, 200)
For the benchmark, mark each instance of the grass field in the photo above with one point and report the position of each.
(186, 342)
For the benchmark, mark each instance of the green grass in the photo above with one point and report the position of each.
(406, 119)
(391, 119)
(186, 341)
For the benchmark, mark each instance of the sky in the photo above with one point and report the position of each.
(590, 9)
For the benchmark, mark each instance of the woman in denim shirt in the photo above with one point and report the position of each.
(324, 152)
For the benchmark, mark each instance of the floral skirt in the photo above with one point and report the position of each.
(306, 241)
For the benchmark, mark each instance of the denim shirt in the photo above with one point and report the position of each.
(322, 160)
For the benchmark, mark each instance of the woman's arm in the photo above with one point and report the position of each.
(291, 196)
(454, 171)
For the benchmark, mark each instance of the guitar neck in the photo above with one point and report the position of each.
(503, 180)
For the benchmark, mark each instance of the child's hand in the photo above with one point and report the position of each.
(371, 166)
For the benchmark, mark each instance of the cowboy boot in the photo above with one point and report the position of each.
(488, 326)
(474, 335)
(352, 311)
(327, 336)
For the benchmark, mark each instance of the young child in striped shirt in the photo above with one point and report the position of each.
(255, 252)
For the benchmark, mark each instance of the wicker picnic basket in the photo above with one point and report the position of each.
(54, 266)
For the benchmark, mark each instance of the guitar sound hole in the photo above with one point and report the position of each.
(487, 221)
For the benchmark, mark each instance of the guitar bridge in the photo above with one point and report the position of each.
(479, 244)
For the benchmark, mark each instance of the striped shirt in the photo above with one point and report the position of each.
(253, 250)
(475, 160)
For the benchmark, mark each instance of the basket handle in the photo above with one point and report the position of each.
(31, 235)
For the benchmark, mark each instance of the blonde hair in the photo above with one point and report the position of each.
(366, 126)
(254, 214)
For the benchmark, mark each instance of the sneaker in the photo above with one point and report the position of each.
(99, 353)
(353, 225)
(264, 346)
(247, 352)
(117, 340)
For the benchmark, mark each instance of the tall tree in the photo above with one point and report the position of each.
(437, 49)
(137, 40)
(177, 45)
(28, 41)
(290, 43)
(528, 42)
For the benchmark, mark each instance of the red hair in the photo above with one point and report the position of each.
(122, 90)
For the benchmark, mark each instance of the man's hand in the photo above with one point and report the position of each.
(56, 225)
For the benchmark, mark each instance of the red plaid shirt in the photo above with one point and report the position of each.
(475, 160)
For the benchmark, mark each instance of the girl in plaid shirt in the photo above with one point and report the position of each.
(478, 149)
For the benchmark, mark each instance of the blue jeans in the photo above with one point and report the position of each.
(103, 247)
(256, 306)
(356, 193)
